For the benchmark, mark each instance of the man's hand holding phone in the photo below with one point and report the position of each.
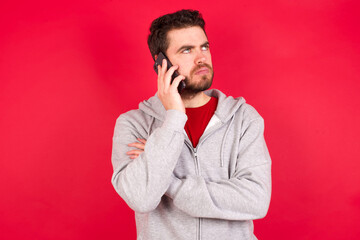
(168, 92)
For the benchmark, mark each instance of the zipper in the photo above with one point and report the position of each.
(197, 164)
(197, 171)
(200, 228)
(194, 153)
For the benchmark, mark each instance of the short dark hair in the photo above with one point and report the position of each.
(157, 39)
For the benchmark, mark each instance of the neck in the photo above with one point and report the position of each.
(195, 100)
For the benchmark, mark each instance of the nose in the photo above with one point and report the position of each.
(200, 58)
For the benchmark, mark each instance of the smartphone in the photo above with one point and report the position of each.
(159, 60)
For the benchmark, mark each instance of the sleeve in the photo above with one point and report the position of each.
(245, 196)
(141, 182)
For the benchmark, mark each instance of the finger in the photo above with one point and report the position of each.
(137, 145)
(163, 67)
(161, 76)
(159, 82)
(169, 73)
(134, 152)
(135, 142)
(142, 140)
(133, 156)
(176, 82)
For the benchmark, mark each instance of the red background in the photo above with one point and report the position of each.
(68, 69)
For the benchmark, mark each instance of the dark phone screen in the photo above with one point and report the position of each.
(159, 60)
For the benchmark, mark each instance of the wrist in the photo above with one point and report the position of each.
(175, 119)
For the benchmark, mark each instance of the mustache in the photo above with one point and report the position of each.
(198, 67)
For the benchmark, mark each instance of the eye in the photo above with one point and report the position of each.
(186, 50)
(205, 48)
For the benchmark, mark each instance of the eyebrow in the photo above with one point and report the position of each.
(191, 46)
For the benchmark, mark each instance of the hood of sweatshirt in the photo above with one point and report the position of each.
(226, 108)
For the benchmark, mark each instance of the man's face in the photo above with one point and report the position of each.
(189, 48)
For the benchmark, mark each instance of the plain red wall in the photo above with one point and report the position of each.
(68, 69)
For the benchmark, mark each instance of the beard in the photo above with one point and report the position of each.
(192, 87)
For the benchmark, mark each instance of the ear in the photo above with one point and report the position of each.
(156, 56)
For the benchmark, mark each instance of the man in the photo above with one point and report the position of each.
(192, 165)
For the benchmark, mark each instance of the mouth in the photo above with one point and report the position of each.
(203, 70)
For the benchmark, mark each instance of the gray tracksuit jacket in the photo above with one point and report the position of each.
(213, 191)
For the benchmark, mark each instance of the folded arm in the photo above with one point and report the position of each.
(246, 195)
(142, 181)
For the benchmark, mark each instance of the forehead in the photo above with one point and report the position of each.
(186, 36)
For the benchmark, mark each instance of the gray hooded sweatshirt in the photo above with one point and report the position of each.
(213, 191)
